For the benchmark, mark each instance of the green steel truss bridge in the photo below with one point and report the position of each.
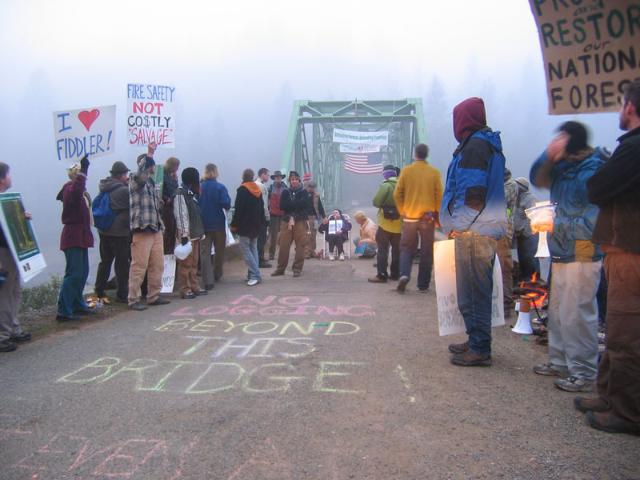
(310, 146)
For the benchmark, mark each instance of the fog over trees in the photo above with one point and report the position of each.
(238, 67)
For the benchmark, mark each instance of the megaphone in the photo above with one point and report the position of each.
(543, 246)
(523, 325)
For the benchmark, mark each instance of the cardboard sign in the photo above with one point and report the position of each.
(20, 236)
(590, 51)
(151, 115)
(89, 131)
(450, 319)
(168, 274)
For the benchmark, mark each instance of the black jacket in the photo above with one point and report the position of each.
(296, 203)
(615, 188)
(319, 213)
(248, 211)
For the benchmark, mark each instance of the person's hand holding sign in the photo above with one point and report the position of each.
(151, 149)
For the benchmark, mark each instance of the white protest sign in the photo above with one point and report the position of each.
(335, 226)
(151, 115)
(450, 319)
(20, 236)
(169, 274)
(89, 131)
(370, 138)
(359, 148)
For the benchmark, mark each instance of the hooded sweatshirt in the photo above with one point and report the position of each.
(474, 199)
(248, 210)
(119, 202)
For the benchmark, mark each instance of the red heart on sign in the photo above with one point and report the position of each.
(87, 118)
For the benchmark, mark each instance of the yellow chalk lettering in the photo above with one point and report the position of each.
(104, 363)
(324, 371)
(175, 325)
(286, 381)
(354, 328)
(206, 325)
(223, 386)
(136, 367)
(298, 327)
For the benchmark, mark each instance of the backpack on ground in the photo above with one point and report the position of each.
(103, 215)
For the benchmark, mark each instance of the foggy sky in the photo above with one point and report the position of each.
(238, 66)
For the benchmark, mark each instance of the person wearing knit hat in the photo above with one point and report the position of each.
(189, 228)
(295, 203)
(389, 228)
(145, 222)
(113, 232)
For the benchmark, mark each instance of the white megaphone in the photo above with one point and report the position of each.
(523, 325)
(541, 217)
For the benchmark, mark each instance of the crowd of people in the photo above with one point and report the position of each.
(480, 206)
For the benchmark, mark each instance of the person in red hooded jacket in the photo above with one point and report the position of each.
(75, 241)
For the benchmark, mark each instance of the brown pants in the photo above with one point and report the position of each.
(210, 273)
(619, 369)
(146, 257)
(188, 270)
(506, 265)
(298, 234)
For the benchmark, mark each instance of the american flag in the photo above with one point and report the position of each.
(362, 163)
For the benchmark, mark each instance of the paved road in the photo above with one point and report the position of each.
(321, 377)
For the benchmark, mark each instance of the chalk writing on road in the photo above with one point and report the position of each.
(67, 454)
(274, 306)
(190, 377)
(334, 327)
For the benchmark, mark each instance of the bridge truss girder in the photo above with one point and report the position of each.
(404, 119)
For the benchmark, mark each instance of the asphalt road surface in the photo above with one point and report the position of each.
(319, 377)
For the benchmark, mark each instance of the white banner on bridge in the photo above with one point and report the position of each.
(371, 138)
(450, 319)
(359, 148)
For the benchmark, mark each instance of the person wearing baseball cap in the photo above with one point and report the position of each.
(114, 238)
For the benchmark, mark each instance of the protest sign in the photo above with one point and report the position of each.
(168, 274)
(89, 131)
(370, 138)
(450, 319)
(591, 50)
(358, 148)
(151, 114)
(20, 236)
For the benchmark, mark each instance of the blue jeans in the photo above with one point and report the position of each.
(364, 249)
(475, 255)
(409, 246)
(249, 247)
(76, 272)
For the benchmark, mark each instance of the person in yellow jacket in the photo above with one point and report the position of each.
(389, 227)
(418, 196)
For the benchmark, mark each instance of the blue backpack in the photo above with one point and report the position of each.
(103, 216)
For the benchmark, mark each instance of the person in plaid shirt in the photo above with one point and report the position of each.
(146, 229)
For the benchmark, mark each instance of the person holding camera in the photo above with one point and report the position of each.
(389, 227)
(418, 196)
